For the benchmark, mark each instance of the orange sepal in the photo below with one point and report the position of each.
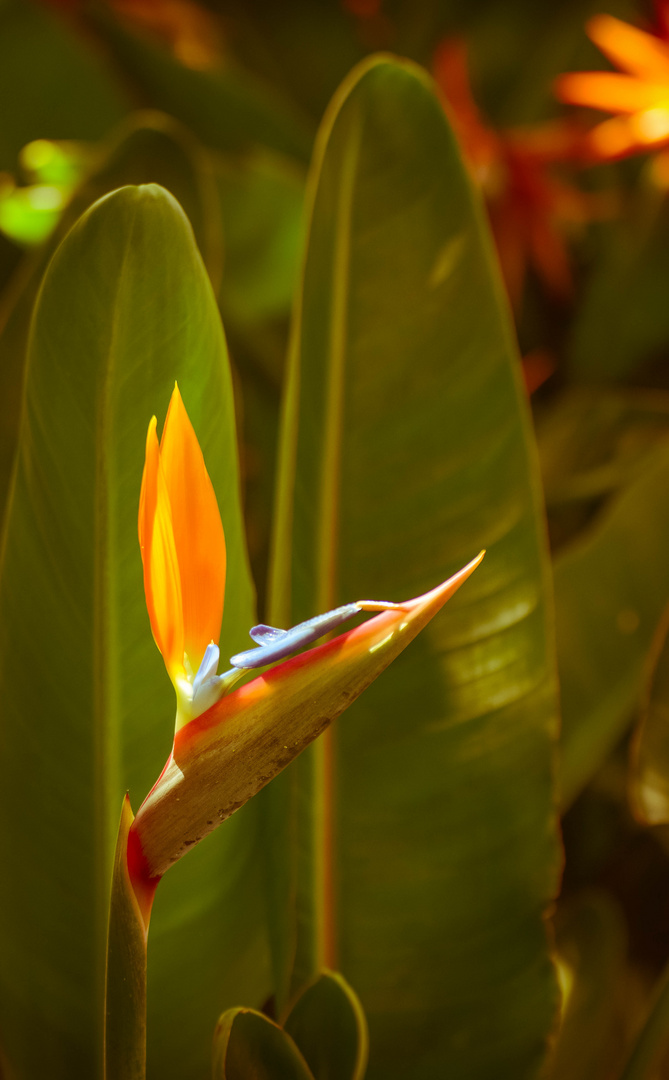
(609, 91)
(631, 49)
(199, 541)
(162, 583)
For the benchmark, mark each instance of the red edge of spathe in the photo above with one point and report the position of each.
(143, 885)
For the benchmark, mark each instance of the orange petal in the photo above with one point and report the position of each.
(609, 91)
(631, 49)
(198, 532)
(615, 138)
(451, 72)
(162, 586)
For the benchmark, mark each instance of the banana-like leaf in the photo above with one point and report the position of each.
(416, 849)
(147, 148)
(329, 1027)
(610, 591)
(88, 710)
(248, 1044)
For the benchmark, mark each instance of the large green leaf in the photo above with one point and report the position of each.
(611, 587)
(416, 851)
(147, 148)
(125, 308)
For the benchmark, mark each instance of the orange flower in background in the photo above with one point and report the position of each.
(183, 554)
(531, 210)
(638, 93)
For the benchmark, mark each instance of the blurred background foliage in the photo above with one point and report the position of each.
(220, 102)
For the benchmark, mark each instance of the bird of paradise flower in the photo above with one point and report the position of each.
(227, 745)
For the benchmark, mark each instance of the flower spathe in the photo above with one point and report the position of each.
(183, 554)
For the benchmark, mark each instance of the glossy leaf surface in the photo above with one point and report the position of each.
(126, 307)
(408, 860)
(329, 1027)
(247, 1044)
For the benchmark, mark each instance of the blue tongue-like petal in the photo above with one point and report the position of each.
(266, 635)
(277, 644)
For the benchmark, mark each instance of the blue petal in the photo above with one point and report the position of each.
(281, 643)
(265, 635)
(207, 668)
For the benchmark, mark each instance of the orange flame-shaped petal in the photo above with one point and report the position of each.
(182, 543)
(162, 582)
(640, 95)
(631, 49)
(198, 532)
(609, 91)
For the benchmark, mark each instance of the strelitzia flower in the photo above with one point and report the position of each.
(183, 552)
(638, 93)
(227, 746)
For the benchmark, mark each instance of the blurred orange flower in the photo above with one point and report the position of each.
(638, 93)
(531, 209)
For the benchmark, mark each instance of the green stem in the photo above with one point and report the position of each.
(125, 991)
